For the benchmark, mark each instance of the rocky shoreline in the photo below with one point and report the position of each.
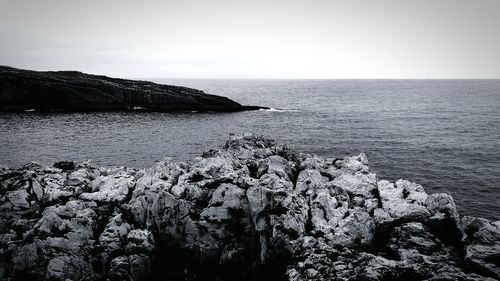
(72, 91)
(254, 210)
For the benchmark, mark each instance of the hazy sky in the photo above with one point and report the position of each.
(255, 38)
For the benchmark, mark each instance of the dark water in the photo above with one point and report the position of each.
(444, 135)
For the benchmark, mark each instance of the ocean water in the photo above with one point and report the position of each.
(443, 134)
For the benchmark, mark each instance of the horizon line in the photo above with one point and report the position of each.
(263, 78)
(257, 78)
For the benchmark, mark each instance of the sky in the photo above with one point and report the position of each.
(296, 39)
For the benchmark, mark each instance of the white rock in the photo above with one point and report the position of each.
(109, 189)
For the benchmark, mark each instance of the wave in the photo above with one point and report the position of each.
(272, 109)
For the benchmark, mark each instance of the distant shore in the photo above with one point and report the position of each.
(72, 91)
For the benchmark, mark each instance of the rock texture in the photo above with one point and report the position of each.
(253, 210)
(76, 91)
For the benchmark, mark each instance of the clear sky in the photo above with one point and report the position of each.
(255, 38)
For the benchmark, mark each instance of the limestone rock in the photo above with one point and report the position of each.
(404, 201)
(482, 245)
(109, 189)
(254, 210)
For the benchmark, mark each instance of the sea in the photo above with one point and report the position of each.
(442, 134)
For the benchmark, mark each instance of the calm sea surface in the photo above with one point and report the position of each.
(442, 134)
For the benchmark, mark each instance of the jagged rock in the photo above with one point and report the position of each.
(482, 245)
(254, 210)
(140, 241)
(71, 267)
(149, 185)
(402, 201)
(109, 189)
(18, 199)
(36, 189)
(226, 200)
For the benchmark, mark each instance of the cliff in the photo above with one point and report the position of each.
(253, 210)
(76, 91)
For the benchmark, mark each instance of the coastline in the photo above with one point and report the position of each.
(253, 210)
(73, 91)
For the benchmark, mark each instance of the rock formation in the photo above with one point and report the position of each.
(253, 210)
(75, 91)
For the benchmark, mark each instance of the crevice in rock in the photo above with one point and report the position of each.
(295, 175)
(330, 177)
(309, 225)
(196, 177)
(253, 169)
(104, 213)
(376, 194)
(447, 232)
(383, 234)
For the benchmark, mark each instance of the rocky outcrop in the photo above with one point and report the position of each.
(75, 91)
(253, 210)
